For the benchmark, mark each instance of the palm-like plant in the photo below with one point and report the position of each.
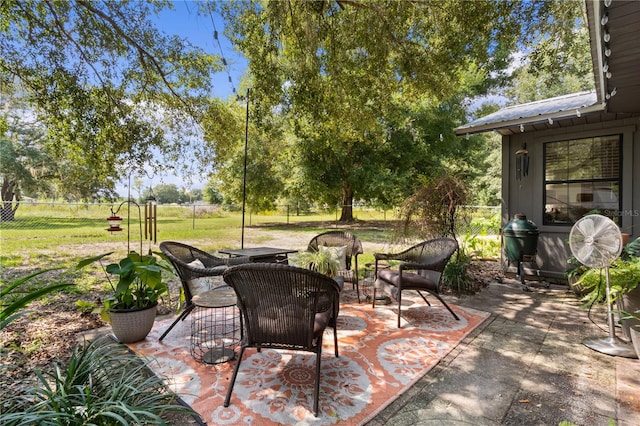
(321, 261)
(624, 277)
(13, 307)
(102, 384)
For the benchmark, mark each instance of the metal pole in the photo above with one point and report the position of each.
(129, 216)
(147, 219)
(244, 180)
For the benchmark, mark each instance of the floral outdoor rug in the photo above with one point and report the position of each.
(377, 362)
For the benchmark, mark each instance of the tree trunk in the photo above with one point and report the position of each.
(347, 204)
(8, 208)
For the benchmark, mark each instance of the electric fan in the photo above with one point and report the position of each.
(596, 241)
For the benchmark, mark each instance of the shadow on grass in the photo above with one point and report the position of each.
(31, 223)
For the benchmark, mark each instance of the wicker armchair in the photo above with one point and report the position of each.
(195, 268)
(283, 307)
(353, 249)
(428, 259)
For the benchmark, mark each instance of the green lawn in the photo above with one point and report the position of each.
(46, 236)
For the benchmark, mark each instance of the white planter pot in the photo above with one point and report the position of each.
(630, 302)
(131, 326)
(635, 339)
(577, 288)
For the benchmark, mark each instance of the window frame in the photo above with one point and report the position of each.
(614, 184)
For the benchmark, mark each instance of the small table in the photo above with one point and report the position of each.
(261, 254)
(369, 282)
(215, 323)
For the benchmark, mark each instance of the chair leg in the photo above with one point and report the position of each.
(399, 304)
(181, 317)
(335, 335)
(316, 390)
(373, 298)
(423, 298)
(333, 322)
(441, 301)
(355, 284)
(233, 378)
(446, 306)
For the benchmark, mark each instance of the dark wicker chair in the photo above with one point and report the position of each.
(354, 248)
(181, 256)
(428, 259)
(283, 307)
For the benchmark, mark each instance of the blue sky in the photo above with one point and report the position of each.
(198, 30)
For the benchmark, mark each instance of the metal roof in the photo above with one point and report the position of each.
(538, 112)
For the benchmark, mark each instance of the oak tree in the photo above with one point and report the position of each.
(345, 71)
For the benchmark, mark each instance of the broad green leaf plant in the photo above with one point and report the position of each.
(140, 284)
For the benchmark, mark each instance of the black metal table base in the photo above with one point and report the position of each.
(218, 356)
(216, 326)
(380, 300)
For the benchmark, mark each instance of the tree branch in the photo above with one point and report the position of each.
(144, 56)
(71, 40)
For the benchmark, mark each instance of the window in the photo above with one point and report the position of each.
(581, 175)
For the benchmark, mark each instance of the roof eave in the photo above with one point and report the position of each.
(538, 119)
(594, 14)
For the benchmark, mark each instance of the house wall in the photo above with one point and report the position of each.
(526, 195)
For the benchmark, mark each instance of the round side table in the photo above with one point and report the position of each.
(216, 326)
(369, 281)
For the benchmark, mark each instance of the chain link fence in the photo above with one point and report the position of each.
(39, 214)
(43, 225)
(478, 220)
(472, 219)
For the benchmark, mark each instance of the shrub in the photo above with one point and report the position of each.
(624, 276)
(456, 274)
(433, 209)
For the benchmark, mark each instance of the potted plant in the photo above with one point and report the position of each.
(633, 321)
(323, 261)
(574, 273)
(631, 299)
(131, 308)
(624, 276)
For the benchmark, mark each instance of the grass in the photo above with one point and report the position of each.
(36, 242)
(31, 234)
(47, 235)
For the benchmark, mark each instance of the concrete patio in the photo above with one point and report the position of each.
(525, 365)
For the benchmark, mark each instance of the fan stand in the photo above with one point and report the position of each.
(610, 345)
